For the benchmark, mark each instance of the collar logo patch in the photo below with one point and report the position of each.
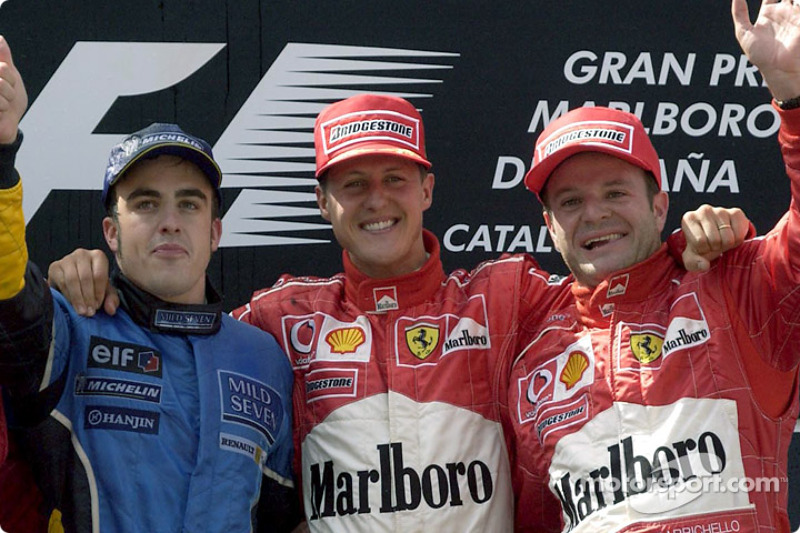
(574, 369)
(345, 340)
(618, 285)
(646, 347)
(422, 340)
(386, 299)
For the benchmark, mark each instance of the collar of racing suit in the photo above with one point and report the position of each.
(391, 294)
(635, 284)
(166, 317)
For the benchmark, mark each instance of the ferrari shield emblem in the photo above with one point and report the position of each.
(422, 340)
(646, 347)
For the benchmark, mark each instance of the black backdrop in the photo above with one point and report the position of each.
(487, 76)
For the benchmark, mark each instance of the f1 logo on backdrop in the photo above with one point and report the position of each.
(268, 143)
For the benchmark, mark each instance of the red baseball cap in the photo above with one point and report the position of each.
(591, 129)
(368, 124)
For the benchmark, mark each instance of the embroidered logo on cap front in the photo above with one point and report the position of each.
(368, 126)
(614, 135)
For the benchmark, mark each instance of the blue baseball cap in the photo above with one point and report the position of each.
(160, 139)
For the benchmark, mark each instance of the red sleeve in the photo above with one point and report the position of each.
(762, 277)
(20, 499)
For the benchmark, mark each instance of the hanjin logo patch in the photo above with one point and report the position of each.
(366, 126)
(119, 419)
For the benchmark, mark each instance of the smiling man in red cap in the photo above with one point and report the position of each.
(654, 399)
(592, 152)
(400, 370)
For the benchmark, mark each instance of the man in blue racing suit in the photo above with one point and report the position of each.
(169, 416)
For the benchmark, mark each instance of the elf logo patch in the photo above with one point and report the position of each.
(122, 356)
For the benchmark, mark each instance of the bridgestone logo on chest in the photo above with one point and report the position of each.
(402, 488)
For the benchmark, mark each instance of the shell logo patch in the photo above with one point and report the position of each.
(574, 369)
(422, 340)
(646, 347)
(345, 340)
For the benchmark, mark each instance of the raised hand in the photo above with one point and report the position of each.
(13, 97)
(772, 43)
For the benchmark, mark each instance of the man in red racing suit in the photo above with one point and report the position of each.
(400, 379)
(656, 399)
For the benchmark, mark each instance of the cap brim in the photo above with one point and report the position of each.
(373, 149)
(206, 164)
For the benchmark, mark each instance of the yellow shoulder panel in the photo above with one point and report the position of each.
(13, 251)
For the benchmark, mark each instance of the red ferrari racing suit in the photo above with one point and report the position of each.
(400, 386)
(664, 400)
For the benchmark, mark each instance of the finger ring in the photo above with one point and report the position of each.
(723, 226)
